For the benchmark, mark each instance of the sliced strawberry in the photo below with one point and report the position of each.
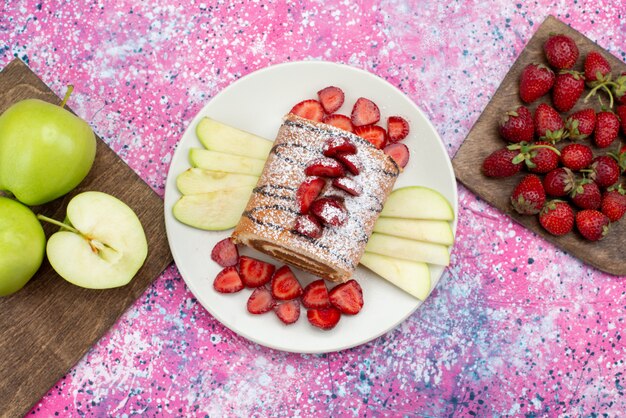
(309, 226)
(285, 286)
(338, 145)
(324, 318)
(260, 301)
(330, 211)
(309, 109)
(316, 295)
(228, 281)
(288, 312)
(347, 297)
(324, 167)
(397, 128)
(225, 253)
(348, 185)
(365, 112)
(255, 273)
(399, 153)
(339, 121)
(308, 191)
(350, 162)
(331, 98)
(373, 134)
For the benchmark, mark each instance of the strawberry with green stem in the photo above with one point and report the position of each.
(529, 196)
(581, 124)
(535, 81)
(598, 76)
(557, 217)
(592, 224)
(549, 125)
(506, 162)
(614, 203)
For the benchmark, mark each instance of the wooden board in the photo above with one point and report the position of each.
(50, 324)
(483, 139)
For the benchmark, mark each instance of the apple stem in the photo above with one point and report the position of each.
(70, 88)
(57, 223)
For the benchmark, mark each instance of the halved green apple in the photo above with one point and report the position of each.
(408, 249)
(220, 137)
(102, 244)
(417, 202)
(438, 232)
(219, 161)
(213, 211)
(411, 276)
(198, 180)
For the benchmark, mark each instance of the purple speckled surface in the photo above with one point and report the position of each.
(515, 327)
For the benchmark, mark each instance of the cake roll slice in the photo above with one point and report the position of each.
(268, 222)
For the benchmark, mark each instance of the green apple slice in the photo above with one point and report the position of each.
(411, 276)
(219, 161)
(417, 202)
(408, 249)
(216, 136)
(103, 247)
(213, 211)
(197, 181)
(438, 232)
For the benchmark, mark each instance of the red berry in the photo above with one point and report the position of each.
(568, 87)
(561, 51)
(338, 145)
(587, 195)
(557, 217)
(607, 128)
(614, 204)
(255, 273)
(228, 281)
(331, 98)
(316, 295)
(397, 128)
(596, 67)
(517, 125)
(350, 162)
(528, 197)
(347, 297)
(260, 301)
(309, 226)
(225, 253)
(348, 185)
(581, 124)
(592, 224)
(399, 153)
(288, 311)
(605, 171)
(285, 286)
(621, 113)
(365, 112)
(500, 164)
(308, 191)
(576, 156)
(309, 109)
(339, 121)
(324, 318)
(543, 158)
(373, 134)
(324, 167)
(329, 211)
(559, 182)
(548, 123)
(535, 81)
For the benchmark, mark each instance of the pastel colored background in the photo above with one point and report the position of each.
(515, 327)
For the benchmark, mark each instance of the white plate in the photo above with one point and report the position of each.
(257, 103)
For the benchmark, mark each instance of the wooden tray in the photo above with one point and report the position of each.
(606, 255)
(46, 327)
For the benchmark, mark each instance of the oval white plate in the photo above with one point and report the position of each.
(257, 103)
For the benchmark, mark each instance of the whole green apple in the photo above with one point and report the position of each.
(45, 151)
(22, 245)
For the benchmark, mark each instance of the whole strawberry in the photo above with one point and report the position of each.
(543, 157)
(561, 51)
(500, 163)
(548, 123)
(614, 203)
(557, 217)
(580, 125)
(597, 68)
(559, 182)
(517, 125)
(592, 224)
(621, 114)
(576, 156)
(587, 195)
(528, 196)
(607, 128)
(604, 170)
(620, 157)
(619, 90)
(568, 87)
(535, 81)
